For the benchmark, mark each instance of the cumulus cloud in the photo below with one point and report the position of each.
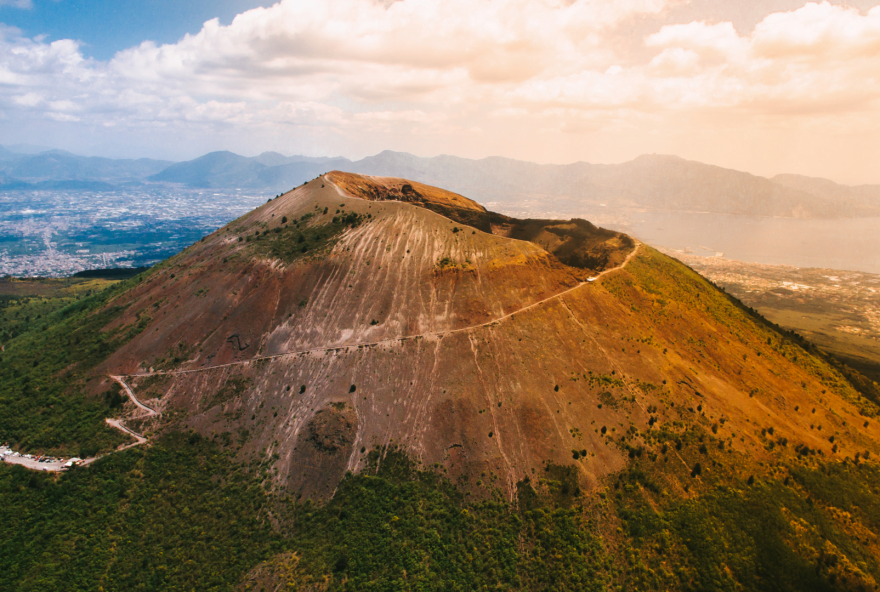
(818, 58)
(17, 3)
(819, 32)
(405, 58)
(454, 66)
(411, 47)
(711, 40)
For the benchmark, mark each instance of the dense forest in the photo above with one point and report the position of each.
(181, 515)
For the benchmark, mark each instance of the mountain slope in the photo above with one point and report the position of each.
(226, 169)
(654, 182)
(468, 349)
(649, 181)
(403, 398)
(866, 195)
(672, 183)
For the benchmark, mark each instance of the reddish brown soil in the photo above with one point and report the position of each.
(504, 398)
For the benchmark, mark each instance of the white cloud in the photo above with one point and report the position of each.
(412, 47)
(820, 58)
(379, 72)
(17, 3)
(412, 57)
(820, 32)
(715, 40)
(675, 61)
(28, 99)
(62, 117)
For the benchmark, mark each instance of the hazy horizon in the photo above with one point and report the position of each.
(784, 86)
(43, 149)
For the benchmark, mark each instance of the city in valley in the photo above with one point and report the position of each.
(55, 233)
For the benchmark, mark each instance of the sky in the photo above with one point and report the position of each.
(765, 86)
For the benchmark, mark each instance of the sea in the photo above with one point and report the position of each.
(843, 243)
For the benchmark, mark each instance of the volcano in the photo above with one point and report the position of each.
(368, 383)
(356, 313)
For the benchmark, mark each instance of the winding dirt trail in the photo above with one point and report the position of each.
(119, 426)
(117, 423)
(59, 465)
(148, 411)
(434, 334)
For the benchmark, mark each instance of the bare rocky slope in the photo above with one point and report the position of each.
(348, 314)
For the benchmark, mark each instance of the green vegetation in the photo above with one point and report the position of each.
(401, 528)
(850, 487)
(20, 314)
(302, 238)
(150, 387)
(654, 281)
(835, 313)
(174, 358)
(182, 515)
(71, 287)
(28, 304)
(44, 372)
(446, 263)
(234, 387)
(175, 516)
(753, 534)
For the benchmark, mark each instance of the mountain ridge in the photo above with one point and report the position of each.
(54, 166)
(650, 181)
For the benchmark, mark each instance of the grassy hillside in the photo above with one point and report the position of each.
(835, 309)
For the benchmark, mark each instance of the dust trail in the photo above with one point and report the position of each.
(511, 476)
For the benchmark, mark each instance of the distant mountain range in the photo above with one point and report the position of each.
(648, 182)
(269, 170)
(20, 168)
(655, 182)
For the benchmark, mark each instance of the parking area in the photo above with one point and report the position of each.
(36, 462)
